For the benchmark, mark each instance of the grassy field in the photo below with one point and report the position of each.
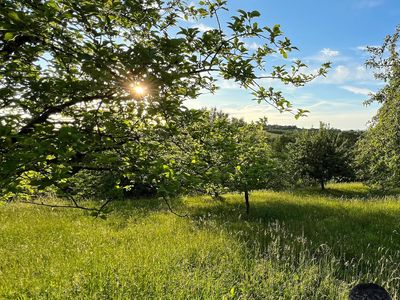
(293, 245)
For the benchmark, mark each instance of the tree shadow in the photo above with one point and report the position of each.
(351, 192)
(304, 221)
(349, 231)
(344, 227)
(137, 209)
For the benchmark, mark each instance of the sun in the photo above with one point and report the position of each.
(138, 89)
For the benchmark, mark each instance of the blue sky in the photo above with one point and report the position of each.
(323, 30)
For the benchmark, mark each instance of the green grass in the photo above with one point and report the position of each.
(294, 245)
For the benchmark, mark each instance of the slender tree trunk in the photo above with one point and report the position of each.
(246, 199)
(217, 196)
(322, 185)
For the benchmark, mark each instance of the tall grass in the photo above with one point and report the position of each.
(293, 245)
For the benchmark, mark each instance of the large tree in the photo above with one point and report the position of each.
(90, 86)
(378, 151)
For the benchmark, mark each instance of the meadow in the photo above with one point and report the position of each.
(301, 244)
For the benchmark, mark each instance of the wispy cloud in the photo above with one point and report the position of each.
(363, 48)
(345, 116)
(228, 84)
(252, 46)
(369, 3)
(327, 54)
(337, 75)
(343, 74)
(202, 27)
(357, 90)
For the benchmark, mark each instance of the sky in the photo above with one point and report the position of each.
(323, 30)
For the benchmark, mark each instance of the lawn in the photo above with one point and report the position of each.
(302, 244)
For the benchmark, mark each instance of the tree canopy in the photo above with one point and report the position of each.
(320, 155)
(98, 86)
(378, 156)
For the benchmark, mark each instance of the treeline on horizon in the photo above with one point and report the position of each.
(279, 129)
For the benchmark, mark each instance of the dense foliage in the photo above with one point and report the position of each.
(91, 88)
(378, 156)
(321, 155)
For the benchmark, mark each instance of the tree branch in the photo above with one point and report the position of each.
(56, 109)
(172, 211)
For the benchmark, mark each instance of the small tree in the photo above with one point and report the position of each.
(253, 166)
(320, 155)
(207, 142)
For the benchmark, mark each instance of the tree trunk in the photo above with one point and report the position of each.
(322, 185)
(246, 199)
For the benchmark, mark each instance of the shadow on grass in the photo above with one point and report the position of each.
(349, 231)
(141, 208)
(347, 191)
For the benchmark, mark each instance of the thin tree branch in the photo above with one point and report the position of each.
(59, 206)
(172, 211)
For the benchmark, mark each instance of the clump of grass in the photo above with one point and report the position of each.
(298, 245)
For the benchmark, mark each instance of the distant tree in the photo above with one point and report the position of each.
(320, 155)
(218, 154)
(90, 86)
(378, 151)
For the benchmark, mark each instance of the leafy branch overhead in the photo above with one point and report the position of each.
(89, 86)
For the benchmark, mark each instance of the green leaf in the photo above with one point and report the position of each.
(53, 5)
(14, 16)
(242, 12)
(8, 36)
(255, 14)
(232, 292)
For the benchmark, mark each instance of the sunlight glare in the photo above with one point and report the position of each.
(138, 89)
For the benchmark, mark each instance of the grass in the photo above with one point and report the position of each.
(294, 245)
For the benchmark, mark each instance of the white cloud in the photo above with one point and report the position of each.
(345, 116)
(252, 46)
(228, 84)
(337, 75)
(362, 48)
(325, 105)
(364, 74)
(357, 90)
(329, 52)
(202, 27)
(338, 113)
(342, 74)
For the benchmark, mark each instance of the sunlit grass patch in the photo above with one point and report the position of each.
(293, 245)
